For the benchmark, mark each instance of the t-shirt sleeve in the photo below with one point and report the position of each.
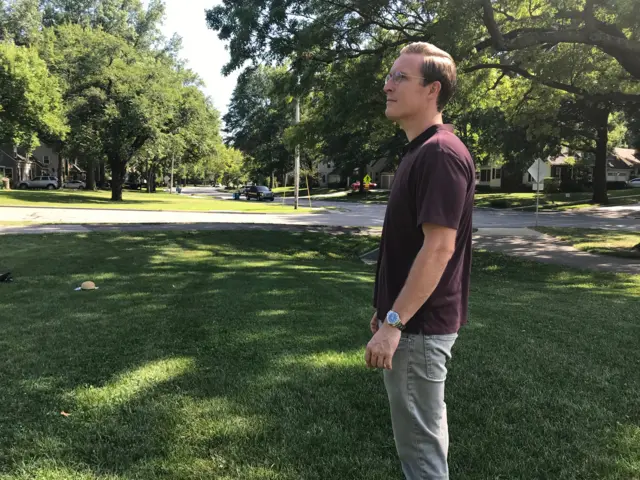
(441, 188)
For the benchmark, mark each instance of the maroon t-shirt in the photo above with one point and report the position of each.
(434, 183)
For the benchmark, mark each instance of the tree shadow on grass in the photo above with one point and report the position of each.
(221, 355)
(57, 197)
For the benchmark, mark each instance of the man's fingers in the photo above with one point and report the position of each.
(387, 364)
(367, 357)
(380, 361)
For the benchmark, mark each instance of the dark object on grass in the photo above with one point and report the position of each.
(637, 247)
(6, 277)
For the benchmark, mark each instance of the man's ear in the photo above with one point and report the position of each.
(435, 88)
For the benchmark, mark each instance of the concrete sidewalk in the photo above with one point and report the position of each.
(532, 245)
(518, 242)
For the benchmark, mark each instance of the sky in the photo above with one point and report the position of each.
(204, 52)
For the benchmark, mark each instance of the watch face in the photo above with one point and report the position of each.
(393, 318)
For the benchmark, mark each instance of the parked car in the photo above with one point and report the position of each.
(635, 183)
(260, 193)
(50, 183)
(356, 185)
(75, 184)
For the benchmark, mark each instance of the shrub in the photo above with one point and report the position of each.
(500, 203)
(551, 185)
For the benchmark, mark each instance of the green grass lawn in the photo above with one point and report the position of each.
(136, 200)
(239, 355)
(619, 243)
(553, 200)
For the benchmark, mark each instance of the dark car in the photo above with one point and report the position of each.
(260, 193)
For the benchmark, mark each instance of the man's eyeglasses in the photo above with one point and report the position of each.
(399, 77)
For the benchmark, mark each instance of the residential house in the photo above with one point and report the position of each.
(16, 165)
(328, 174)
(623, 165)
(489, 176)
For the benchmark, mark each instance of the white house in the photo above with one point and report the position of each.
(328, 174)
(489, 176)
(623, 165)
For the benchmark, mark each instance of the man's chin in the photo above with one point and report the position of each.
(390, 114)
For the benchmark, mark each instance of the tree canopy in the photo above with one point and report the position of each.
(532, 63)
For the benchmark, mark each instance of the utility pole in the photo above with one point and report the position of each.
(537, 193)
(171, 185)
(297, 164)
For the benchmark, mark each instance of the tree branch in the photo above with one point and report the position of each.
(507, 15)
(490, 22)
(495, 85)
(611, 96)
(595, 33)
(509, 36)
(580, 148)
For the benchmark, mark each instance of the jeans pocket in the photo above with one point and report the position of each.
(437, 350)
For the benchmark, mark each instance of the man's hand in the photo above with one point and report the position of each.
(382, 346)
(374, 323)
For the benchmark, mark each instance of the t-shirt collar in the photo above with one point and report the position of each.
(426, 135)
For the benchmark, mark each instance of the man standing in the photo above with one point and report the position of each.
(422, 283)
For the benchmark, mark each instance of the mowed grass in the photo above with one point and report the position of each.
(553, 200)
(136, 200)
(619, 243)
(239, 355)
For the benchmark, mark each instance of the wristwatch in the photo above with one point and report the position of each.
(393, 319)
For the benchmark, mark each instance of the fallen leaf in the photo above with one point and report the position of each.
(65, 414)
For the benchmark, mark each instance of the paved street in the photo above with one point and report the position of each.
(348, 215)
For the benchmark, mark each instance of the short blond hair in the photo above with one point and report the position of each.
(438, 66)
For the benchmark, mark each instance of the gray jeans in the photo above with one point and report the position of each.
(415, 387)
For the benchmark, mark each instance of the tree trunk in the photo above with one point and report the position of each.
(62, 170)
(117, 171)
(600, 169)
(151, 179)
(102, 173)
(91, 175)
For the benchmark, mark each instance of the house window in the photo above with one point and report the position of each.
(529, 178)
(477, 174)
(45, 159)
(496, 173)
(485, 175)
(6, 172)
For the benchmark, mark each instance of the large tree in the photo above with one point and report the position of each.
(118, 96)
(585, 51)
(259, 113)
(30, 98)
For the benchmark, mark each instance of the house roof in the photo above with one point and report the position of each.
(76, 168)
(620, 159)
(628, 156)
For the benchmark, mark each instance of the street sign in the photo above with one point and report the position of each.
(367, 178)
(537, 170)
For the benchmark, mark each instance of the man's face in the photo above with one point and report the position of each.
(409, 97)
